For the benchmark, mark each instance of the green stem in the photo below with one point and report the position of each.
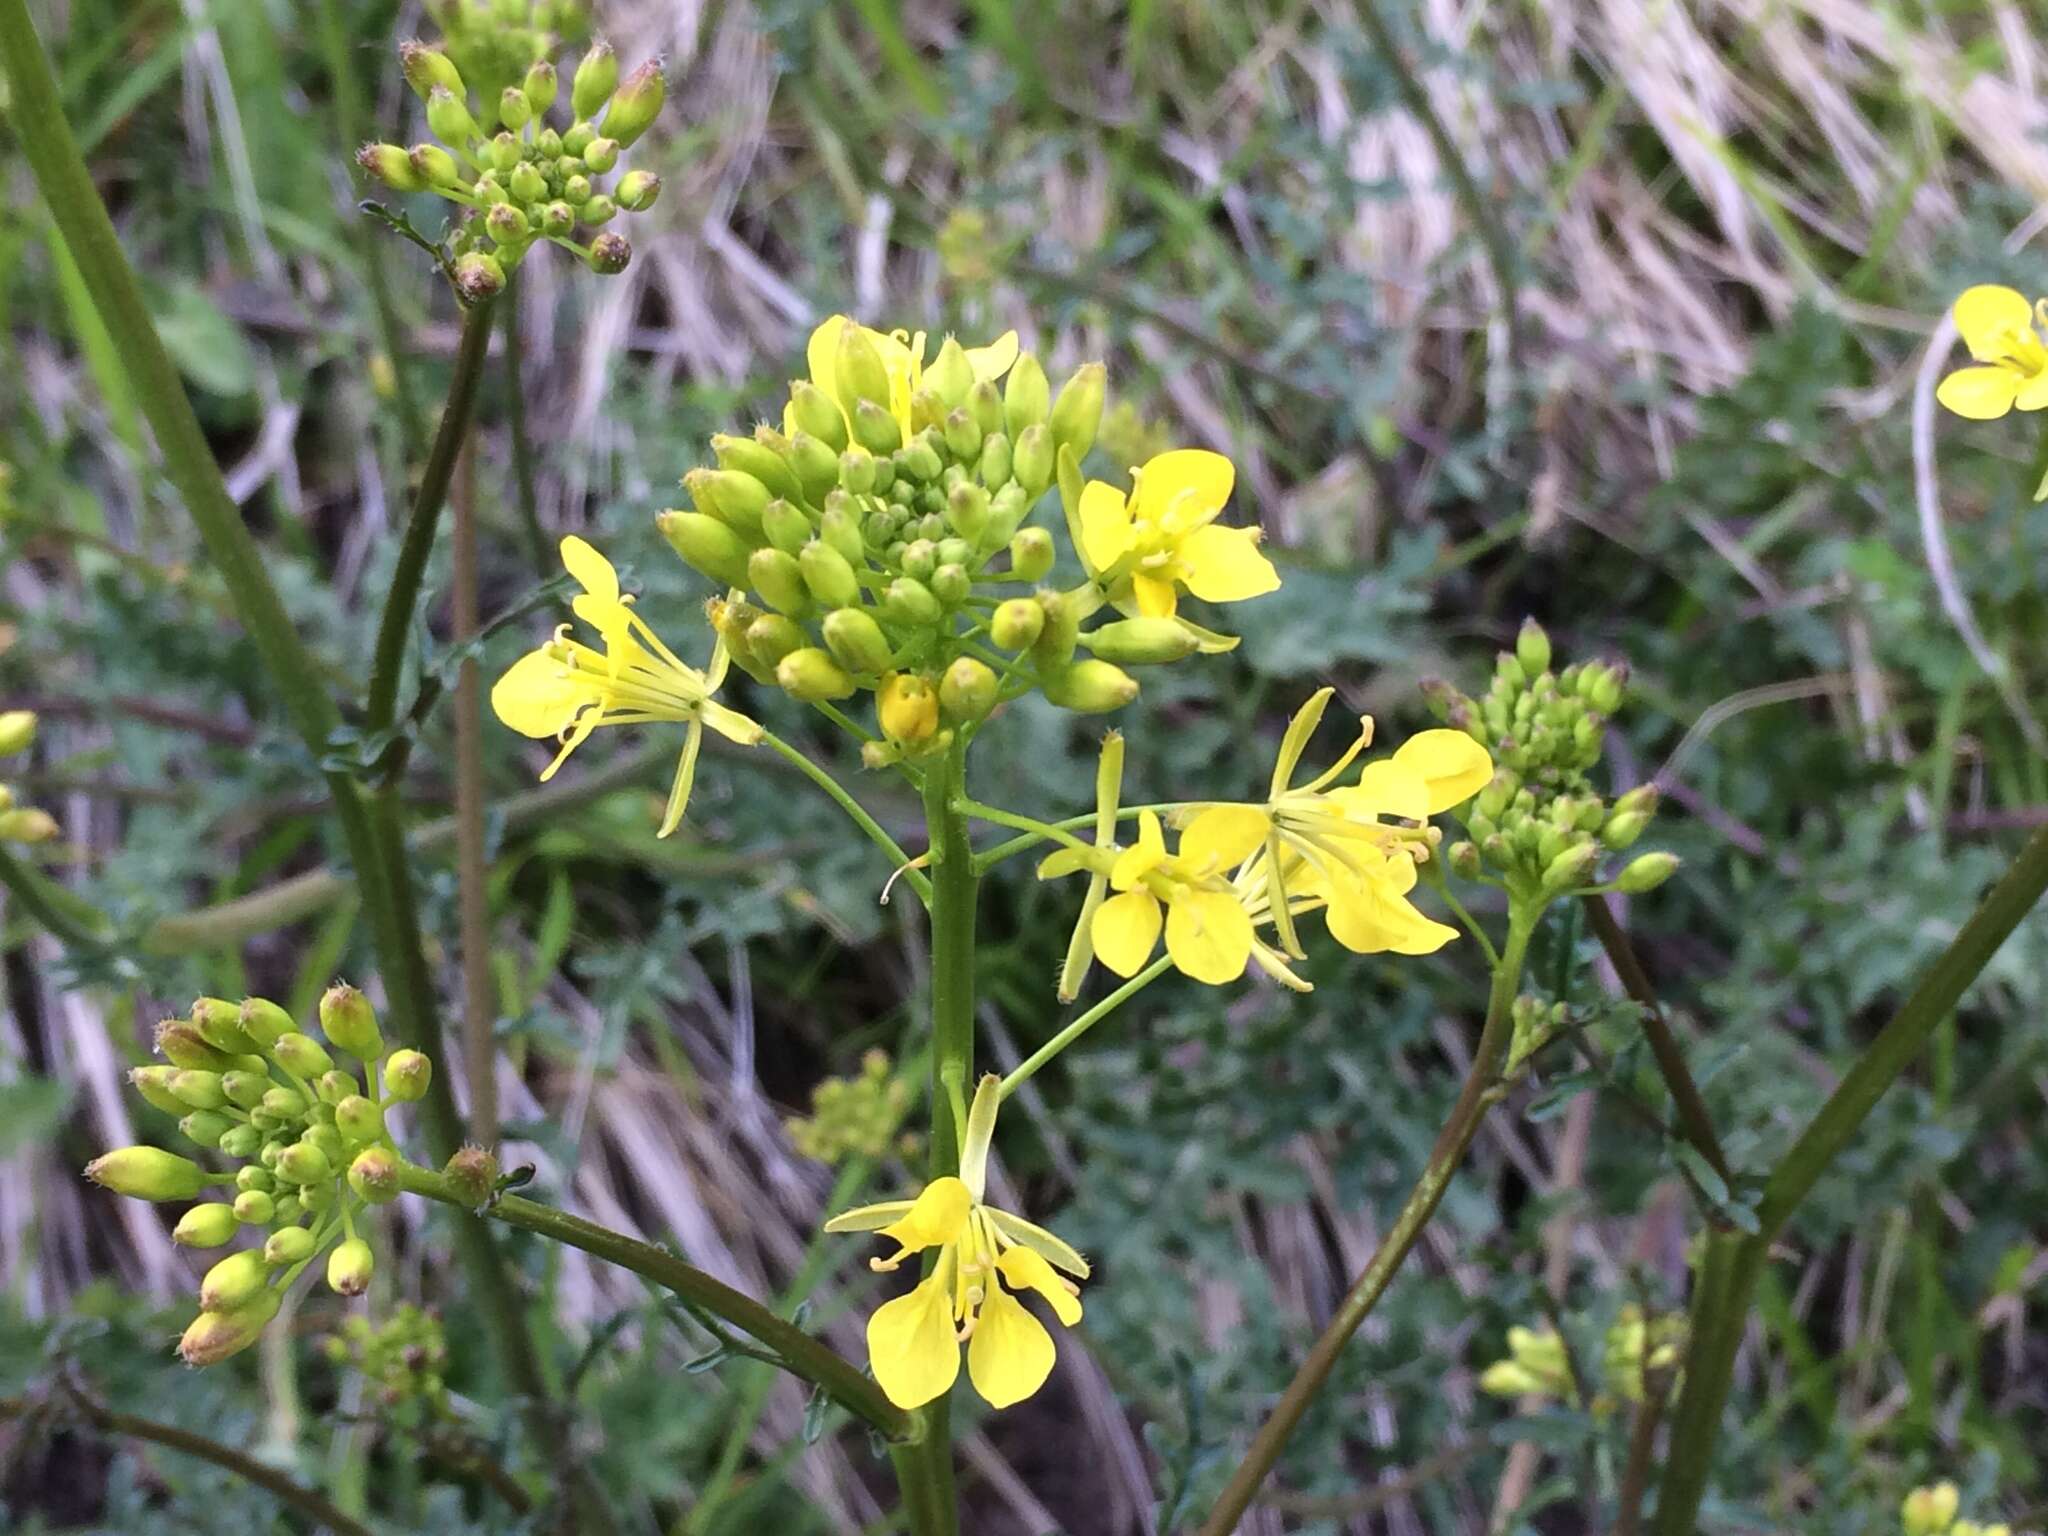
(801, 1354)
(853, 808)
(990, 857)
(1728, 1277)
(1473, 1101)
(1028, 1068)
(1040, 830)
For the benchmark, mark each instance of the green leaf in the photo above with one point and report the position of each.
(209, 349)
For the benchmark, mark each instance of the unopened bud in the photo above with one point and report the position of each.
(205, 1127)
(856, 641)
(637, 191)
(287, 1246)
(811, 675)
(28, 824)
(374, 1175)
(636, 103)
(610, 253)
(303, 1163)
(1031, 554)
(874, 428)
(428, 70)
(1569, 869)
(154, 1084)
(478, 277)
(906, 706)
(212, 1225)
(263, 1021)
(1027, 397)
(1091, 687)
(829, 575)
(860, 374)
(506, 225)
(810, 408)
(1622, 829)
(435, 166)
(1646, 872)
(1930, 1511)
(596, 77)
(197, 1089)
(1077, 413)
(473, 1174)
(910, 603)
(254, 1207)
(392, 165)
(149, 1173)
(967, 691)
(1017, 623)
(348, 1020)
(706, 545)
(967, 510)
(407, 1075)
(773, 636)
(1141, 641)
(358, 1120)
(301, 1055)
(234, 1280)
(778, 577)
(1532, 648)
(219, 1023)
(217, 1336)
(181, 1045)
(557, 219)
(449, 117)
(599, 209)
(349, 1267)
(539, 86)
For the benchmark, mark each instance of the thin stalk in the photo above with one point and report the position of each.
(1733, 1264)
(796, 1350)
(522, 444)
(1028, 1068)
(479, 992)
(853, 808)
(61, 913)
(1642, 1450)
(309, 1502)
(1452, 1141)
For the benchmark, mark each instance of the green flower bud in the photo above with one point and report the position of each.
(779, 578)
(1532, 648)
(204, 1127)
(506, 224)
(860, 374)
(1621, 831)
(220, 1025)
(348, 1020)
(773, 636)
(636, 104)
(951, 584)
(289, 1208)
(314, 1199)
(816, 466)
(217, 1336)
(600, 155)
(154, 1084)
(450, 120)
(407, 1075)
(1646, 872)
(1930, 1511)
(874, 428)
(303, 1163)
(28, 824)
(198, 1090)
(301, 1055)
(515, 111)
(637, 191)
(241, 1141)
(435, 166)
(349, 1267)
(787, 528)
(985, 403)
(574, 142)
(1091, 687)
(1031, 459)
(149, 1173)
(706, 545)
(1031, 554)
(478, 277)
(1027, 397)
(245, 1090)
(504, 152)
(1569, 869)
(732, 619)
(810, 674)
(539, 86)
(993, 469)
(829, 575)
(557, 219)
(927, 411)
(284, 1104)
(919, 460)
(206, 1226)
(812, 410)
(1017, 624)
(234, 1280)
(287, 1246)
(182, 1046)
(254, 1177)
(473, 1172)
(331, 1088)
(840, 530)
(1078, 412)
(1141, 641)
(390, 164)
(254, 1207)
(374, 1175)
(596, 77)
(263, 1021)
(610, 253)
(428, 70)
(856, 641)
(1054, 647)
(963, 437)
(358, 1120)
(909, 603)
(599, 209)
(968, 689)
(736, 497)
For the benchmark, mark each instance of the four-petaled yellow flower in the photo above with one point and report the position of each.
(903, 356)
(1164, 536)
(2003, 332)
(987, 1259)
(565, 689)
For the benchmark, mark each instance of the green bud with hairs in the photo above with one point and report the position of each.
(215, 1336)
(811, 675)
(211, 1225)
(707, 545)
(596, 77)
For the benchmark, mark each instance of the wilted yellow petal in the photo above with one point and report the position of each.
(1209, 935)
(1452, 764)
(538, 695)
(1981, 394)
(1988, 314)
(1126, 930)
(1224, 836)
(912, 1347)
(1011, 1354)
(937, 1216)
(1224, 565)
(1105, 525)
(1024, 1269)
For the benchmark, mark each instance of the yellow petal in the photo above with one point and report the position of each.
(2033, 394)
(686, 776)
(822, 353)
(1224, 836)
(1055, 1250)
(538, 696)
(1224, 565)
(1023, 1269)
(1384, 788)
(1452, 764)
(1010, 1355)
(1156, 596)
(1105, 525)
(1209, 935)
(1192, 483)
(1981, 394)
(1987, 314)
(1371, 922)
(1126, 930)
(993, 361)
(912, 1348)
(937, 1216)
(591, 569)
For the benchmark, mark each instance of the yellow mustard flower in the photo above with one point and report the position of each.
(903, 356)
(1164, 536)
(987, 1260)
(1209, 925)
(2003, 332)
(565, 690)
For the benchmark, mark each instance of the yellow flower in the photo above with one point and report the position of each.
(1163, 536)
(1536, 1366)
(1930, 1511)
(566, 690)
(2003, 333)
(987, 1259)
(903, 356)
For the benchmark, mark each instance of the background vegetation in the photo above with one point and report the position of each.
(1676, 406)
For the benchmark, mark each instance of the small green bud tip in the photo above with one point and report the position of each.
(348, 1020)
(539, 86)
(1646, 872)
(1077, 413)
(478, 277)
(263, 1021)
(636, 103)
(1532, 648)
(287, 1246)
(968, 689)
(254, 1207)
(1017, 623)
(301, 1055)
(856, 641)
(219, 1023)
(706, 545)
(181, 1045)
(212, 1225)
(198, 1090)
(217, 1336)
(374, 1175)
(1464, 860)
(428, 69)
(505, 224)
(449, 118)
(861, 375)
(596, 77)
(303, 1163)
(1569, 869)
(1031, 554)
(610, 253)
(392, 165)
(349, 1268)
(234, 1280)
(636, 193)
(515, 109)
(1141, 641)
(811, 675)
(1027, 396)
(435, 166)
(407, 1075)
(154, 1084)
(473, 1175)
(1091, 687)
(358, 1120)
(148, 1173)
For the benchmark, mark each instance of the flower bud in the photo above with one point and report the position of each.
(287, 1246)
(1091, 687)
(149, 1173)
(478, 277)
(951, 584)
(557, 219)
(840, 528)
(1569, 869)
(435, 166)
(706, 545)
(220, 1025)
(449, 118)
(254, 1177)
(907, 708)
(303, 1163)
(205, 1127)
(909, 602)
(241, 1141)
(1464, 860)
(812, 410)
(506, 225)
(985, 404)
(211, 1225)
(874, 428)
(348, 1021)
(374, 1175)
(301, 1055)
(596, 77)
(773, 636)
(154, 1084)
(736, 496)
(610, 253)
(30, 824)
(349, 1267)
(599, 209)
(1017, 623)
(1621, 830)
(574, 142)
(1646, 872)
(1031, 459)
(829, 575)
(920, 460)
(1141, 641)
(600, 155)
(263, 1021)
(636, 104)
(1078, 412)
(816, 466)
(234, 1280)
(967, 691)
(283, 1104)
(1031, 554)
(217, 1336)
(860, 374)
(992, 469)
(967, 511)
(1930, 1511)
(539, 86)
(473, 1172)
(254, 1207)
(637, 191)
(407, 1075)
(788, 529)
(390, 164)
(358, 1120)
(856, 640)
(810, 674)
(778, 577)
(1532, 648)
(198, 1090)
(181, 1045)
(1027, 397)
(428, 70)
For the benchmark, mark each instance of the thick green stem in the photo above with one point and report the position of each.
(803, 1355)
(1729, 1275)
(1451, 1144)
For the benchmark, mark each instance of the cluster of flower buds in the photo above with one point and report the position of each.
(1635, 1351)
(1931, 1511)
(308, 1137)
(402, 1358)
(877, 540)
(1540, 827)
(522, 179)
(494, 41)
(21, 823)
(854, 1116)
(1536, 1024)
